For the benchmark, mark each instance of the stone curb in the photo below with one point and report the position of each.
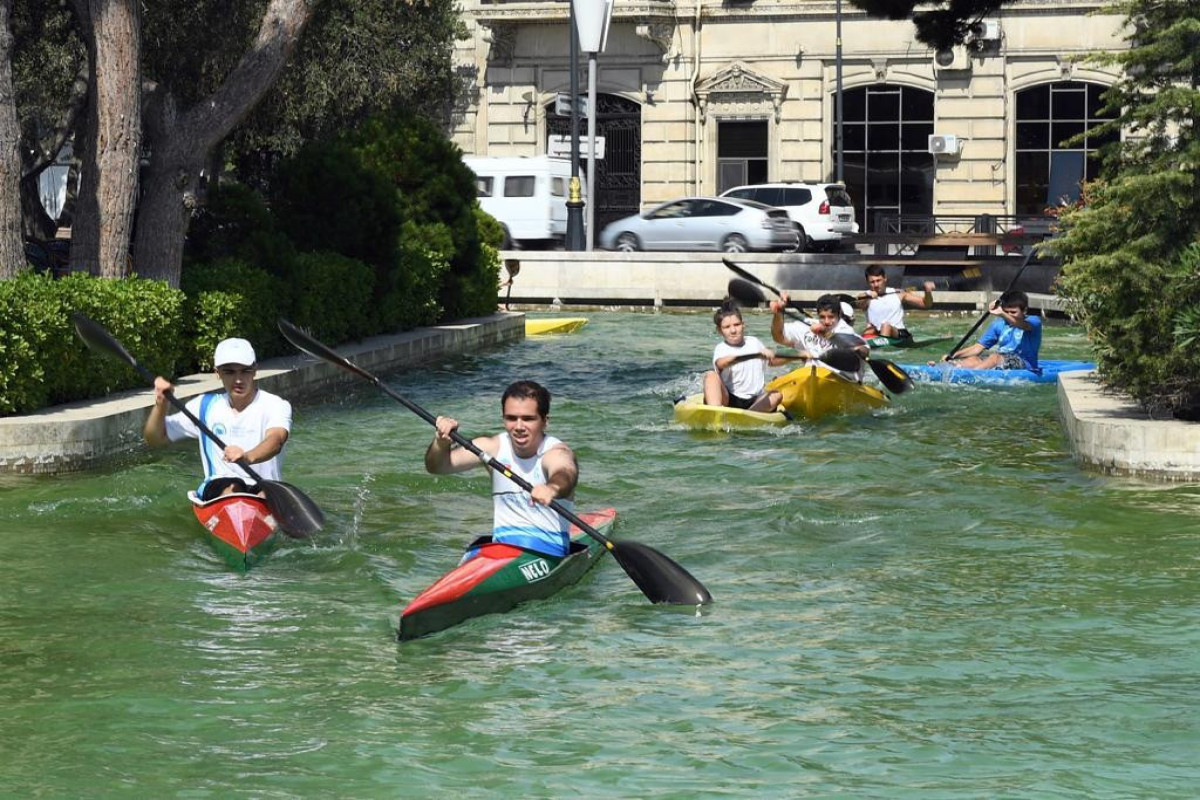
(1111, 433)
(84, 434)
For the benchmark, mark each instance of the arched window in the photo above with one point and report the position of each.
(1048, 173)
(888, 167)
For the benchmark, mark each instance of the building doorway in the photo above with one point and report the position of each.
(619, 172)
(742, 153)
(888, 167)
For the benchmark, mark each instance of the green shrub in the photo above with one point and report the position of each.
(410, 297)
(327, 200)
(236, 223)
(436, 193)
(491, 232)
(333, 297)
(1131, 257)
(232, 298)
(43, 362)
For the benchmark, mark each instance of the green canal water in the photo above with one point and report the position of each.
(929, 602)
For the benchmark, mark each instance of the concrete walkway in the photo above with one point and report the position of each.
(81, 435)
(1111, 433)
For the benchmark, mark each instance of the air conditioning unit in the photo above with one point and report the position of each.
(986, 30)
(944, 144)
(952, 59)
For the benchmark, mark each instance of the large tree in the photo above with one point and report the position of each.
(182, 136)
(1131, 253)
(112, 137)
(940, 24)
(12, 256)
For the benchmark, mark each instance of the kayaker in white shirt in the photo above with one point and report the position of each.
(252, 422)
(885, 306)
(520, 518)
(814, 338)
(738, 377)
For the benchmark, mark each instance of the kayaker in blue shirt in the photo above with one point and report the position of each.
(1016, 337)
(521, 518)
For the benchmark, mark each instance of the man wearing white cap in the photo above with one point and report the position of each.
(253, 423)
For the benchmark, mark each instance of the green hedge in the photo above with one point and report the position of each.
(43, 362)
(333, 297)
(232, 298)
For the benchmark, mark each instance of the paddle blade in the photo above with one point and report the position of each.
(745, 292)
(303, 341)
(659, 578)
(842, 359)
(97, 337)
(896, 380)
(294, 511)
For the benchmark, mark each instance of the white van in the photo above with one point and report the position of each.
(527, 194)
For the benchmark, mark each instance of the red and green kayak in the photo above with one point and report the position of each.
(501, 576)
(240, 527)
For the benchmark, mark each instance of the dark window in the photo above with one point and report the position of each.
(715, 208)
(837, 197)
(742, 151)
(888, 168)
(743, 194)
(1049, 165)
(795, 197)
(769, 195)
(519, 186)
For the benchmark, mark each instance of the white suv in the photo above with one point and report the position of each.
(822, 212)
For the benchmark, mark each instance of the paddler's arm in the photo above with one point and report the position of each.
(777, 307)
(265, 450)
(562, 473)
(442, 458)
(921, 300)
(155, 429)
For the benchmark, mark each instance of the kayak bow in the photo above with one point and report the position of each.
(499, 577)
(814, 391)
(240, 527)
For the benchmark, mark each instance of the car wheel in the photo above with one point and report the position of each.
(802, 242)
(735, 243)
(627, 243)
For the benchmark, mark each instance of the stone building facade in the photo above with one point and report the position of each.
(697, 98)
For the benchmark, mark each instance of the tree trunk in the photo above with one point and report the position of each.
(100, 236)
(181, 142)
(12, 250)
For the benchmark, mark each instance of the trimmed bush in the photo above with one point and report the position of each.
(43, 362)
(436, 194)
(232, 298)
(333, 297)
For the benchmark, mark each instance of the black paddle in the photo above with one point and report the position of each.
(987, 311)
(752, 278)
(298, 516)
(895, 379)
(659, 578)
(840, 358)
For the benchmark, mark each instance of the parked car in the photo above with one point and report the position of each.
(702, 223)
(822, 212)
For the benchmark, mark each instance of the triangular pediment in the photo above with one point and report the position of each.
(739, 78)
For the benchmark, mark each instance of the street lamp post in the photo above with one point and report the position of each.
(575, 200)
(591, 26)
(837, 103)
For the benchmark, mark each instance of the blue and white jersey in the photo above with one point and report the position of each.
(246, 429)
(517, 519)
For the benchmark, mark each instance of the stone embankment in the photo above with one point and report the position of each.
(1111, 433)
(80, 435)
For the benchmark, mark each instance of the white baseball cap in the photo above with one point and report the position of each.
(234, 351)
(847, 310)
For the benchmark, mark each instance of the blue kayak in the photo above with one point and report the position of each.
(944, 373)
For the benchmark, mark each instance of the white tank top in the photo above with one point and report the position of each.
(886, 310)
(517, 519)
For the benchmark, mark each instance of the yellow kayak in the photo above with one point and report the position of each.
(813, 391)
(538, 327)
(692, 412)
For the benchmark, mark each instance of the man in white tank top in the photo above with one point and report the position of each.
(522, 519)
(885, 306)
